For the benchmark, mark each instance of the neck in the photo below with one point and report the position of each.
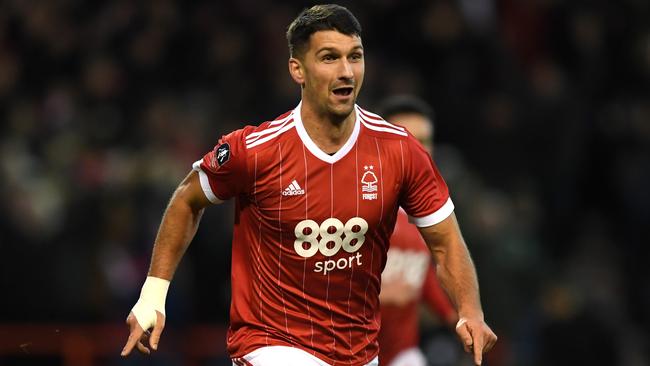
(329, 132)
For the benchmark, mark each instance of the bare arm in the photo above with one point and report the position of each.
(437, 300)
(457, 276)
(455, 268)
(178, 227)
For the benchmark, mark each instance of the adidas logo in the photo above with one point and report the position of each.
(293, 189)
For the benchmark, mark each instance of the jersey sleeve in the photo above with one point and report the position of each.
(223, 172)
(425, 196)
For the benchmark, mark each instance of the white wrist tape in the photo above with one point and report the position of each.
(152, 298)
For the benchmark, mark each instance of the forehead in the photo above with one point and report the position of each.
(333, 39)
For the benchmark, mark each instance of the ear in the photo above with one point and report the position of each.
(296, 71)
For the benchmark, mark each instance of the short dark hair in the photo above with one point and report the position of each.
(405, 104)
(318, 18)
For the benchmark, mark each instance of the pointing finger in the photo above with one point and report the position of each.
(135, 333)
(157, 331)
(478, 348)
(131, 342)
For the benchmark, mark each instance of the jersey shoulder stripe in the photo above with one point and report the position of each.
(268, 128)
(283, 116)
(377, 119)
(376, 123)
(289, 124)
(379, 128)
(369, 114)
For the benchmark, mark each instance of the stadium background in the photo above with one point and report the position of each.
(543, 133)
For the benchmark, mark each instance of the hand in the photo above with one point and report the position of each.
(138, 336)
(477, 337)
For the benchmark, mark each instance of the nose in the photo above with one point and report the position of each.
(345, 70)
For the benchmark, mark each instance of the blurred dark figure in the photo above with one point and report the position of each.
(409, 278)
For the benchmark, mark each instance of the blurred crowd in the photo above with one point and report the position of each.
(542, 132)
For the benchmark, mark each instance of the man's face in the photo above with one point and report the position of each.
(418, 125)
(332, 72)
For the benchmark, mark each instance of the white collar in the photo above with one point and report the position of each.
(314, 149)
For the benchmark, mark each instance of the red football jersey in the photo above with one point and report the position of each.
(311, 230)
(409, 260)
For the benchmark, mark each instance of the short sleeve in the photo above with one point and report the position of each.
(425, 196)
(223, 172)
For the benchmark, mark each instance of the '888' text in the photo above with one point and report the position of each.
(329, 238)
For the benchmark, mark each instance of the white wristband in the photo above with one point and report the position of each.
(152, 298)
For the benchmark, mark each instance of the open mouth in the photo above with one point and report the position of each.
(343, 91)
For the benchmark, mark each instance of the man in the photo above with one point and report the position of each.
(409, 276)
(317, 192)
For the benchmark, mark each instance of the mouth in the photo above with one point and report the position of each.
(344, 91)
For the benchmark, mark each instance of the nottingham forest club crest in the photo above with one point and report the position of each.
(369, 183)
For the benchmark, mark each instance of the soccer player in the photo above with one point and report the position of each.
(409, 276)
(317, 192)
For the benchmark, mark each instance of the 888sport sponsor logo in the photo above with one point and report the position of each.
(329, 238)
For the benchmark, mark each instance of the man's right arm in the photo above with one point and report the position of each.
(178, 227)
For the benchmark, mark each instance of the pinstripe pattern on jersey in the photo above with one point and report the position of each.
(381, 218)
(356, 174)
(304, 267)
(309, 298)
(284, 306)
(259, 253)
(327, 294)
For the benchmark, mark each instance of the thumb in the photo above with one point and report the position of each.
(157, 330)
(464, 334)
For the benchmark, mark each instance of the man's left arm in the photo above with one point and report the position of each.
(457, 276)
(437, 300)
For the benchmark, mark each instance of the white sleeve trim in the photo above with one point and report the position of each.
(434, 218)
(205, 183)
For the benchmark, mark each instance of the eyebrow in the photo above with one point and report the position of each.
(332, 49)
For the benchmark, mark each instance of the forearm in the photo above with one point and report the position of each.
(455, 269)
(457, 276)
(177, 229)
(437, 299)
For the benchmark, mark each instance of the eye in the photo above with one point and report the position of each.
(356, 56)
(328, 57)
